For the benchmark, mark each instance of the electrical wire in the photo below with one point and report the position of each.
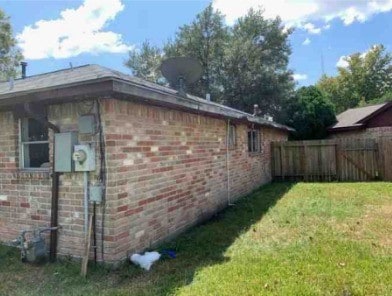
(102, 174)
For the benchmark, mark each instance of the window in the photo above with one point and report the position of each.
(34, 144)
(254, 140)
(232, 136)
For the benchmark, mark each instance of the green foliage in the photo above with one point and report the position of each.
(310, 113)
(10, 55)
(204, 39)
(145, 63)
(385, 98)
(367, 77)
(255, 67)
(243, 65)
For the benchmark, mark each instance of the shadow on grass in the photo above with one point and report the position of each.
(206, 244)
(201, 246)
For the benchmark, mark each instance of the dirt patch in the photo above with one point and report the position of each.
(374, 226)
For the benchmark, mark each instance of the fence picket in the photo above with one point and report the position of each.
(327, 160)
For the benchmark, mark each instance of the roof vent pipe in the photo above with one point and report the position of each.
(256, 110)
(24, 66)
(208, 97)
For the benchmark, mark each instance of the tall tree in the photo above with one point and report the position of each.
(310, 114)
(256, 65)
(10, 55)
(368, 76)
(145, 62)
(204, 39)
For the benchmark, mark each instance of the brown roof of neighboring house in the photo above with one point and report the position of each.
(357, 117)
(94, 80)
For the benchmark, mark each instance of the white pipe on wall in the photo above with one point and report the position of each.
(228, 163)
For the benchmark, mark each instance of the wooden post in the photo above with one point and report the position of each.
(305, 163)
(87, 243)
(380, 162)
(282, 160)
(337, 161)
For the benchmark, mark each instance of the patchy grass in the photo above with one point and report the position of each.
(285, 239)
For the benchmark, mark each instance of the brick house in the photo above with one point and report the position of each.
(365, 122)
(166, 162)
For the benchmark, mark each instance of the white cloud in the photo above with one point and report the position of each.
(76, 31)
(306, 41)
(342, 62)
(311, 28)
(299, 12)
(298, 77)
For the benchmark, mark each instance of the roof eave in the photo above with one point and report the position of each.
(172, 100)
(345, 128)
(117, 88)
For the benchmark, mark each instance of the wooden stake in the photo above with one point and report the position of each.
(87, 244)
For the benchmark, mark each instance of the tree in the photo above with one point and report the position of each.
(243, 65)
(10, 55)
(368, 76)
(145, 63)
(204, 39)
(255, 65)
(310, 114)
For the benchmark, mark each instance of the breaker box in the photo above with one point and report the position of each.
(64, 148)
(84, 158)
(86, 124)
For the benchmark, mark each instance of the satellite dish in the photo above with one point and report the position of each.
(180, 71)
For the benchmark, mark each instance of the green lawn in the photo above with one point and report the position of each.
(285, 239)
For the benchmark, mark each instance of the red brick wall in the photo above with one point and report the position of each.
(167, 170)
(374, 132)
(25, 197)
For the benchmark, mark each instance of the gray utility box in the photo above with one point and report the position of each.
(86, 124)
(96, 192)
(64, 147)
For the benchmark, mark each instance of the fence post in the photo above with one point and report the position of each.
(282, 162)
(305, 164)
(379, 158)
(272, 153)
(337, 160)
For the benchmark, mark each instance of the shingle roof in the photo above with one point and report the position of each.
(69, 76)
(90, 73)
(352, 118)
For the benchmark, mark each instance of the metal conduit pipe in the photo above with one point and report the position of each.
(228, 164)
(85, 185)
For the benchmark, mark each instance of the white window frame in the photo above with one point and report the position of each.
(22, 147)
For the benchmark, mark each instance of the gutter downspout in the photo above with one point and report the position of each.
(55, 186)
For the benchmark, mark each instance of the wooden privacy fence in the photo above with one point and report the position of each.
(333, 160)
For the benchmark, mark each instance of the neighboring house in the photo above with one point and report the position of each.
(165, 160)
(365, 122)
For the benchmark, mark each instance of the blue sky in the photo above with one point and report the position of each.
(54, 34)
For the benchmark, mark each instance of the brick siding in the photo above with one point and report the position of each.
(166, 171)
(374, 132)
